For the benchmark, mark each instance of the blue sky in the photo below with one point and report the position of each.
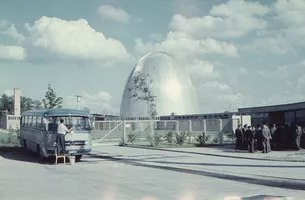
(238, 53)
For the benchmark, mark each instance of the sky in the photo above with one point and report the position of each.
(238, 53)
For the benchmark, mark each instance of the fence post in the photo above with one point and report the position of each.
(124, 132)
(204, 126)
(151, 124)
(177, 127)
(220, 131)
(190, 131)
(165, 125)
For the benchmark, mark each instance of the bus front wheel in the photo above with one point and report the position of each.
(78, 157)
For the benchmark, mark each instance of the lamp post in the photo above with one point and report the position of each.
(78, 100)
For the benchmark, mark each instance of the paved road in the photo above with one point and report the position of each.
(114, 173)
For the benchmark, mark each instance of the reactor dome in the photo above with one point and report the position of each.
(168, 82)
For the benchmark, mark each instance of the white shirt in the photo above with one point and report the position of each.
(62, 129)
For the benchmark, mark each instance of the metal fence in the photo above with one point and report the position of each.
(218, 130)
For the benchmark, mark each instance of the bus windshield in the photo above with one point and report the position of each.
(78, 122)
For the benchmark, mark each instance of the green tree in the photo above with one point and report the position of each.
(37, 104)
(140, 91)
(25, 104)
(51, 99)
(6, 103)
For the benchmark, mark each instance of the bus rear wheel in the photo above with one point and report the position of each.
(77, 158)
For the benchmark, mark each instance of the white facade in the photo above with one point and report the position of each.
(168, 81)
(13, 121)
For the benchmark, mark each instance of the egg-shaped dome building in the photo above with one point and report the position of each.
(167, 81)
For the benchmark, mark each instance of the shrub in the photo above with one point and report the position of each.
(180, 138)
(169, 137)
(131, 137)
(154, 139)
(10, 138)
(202, 138)
(189, 135)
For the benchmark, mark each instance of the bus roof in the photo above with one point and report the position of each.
(56, 112)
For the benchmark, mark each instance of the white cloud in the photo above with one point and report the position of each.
(234, 19)
(12, 32)
(115, 14)
(74, 40)
(217, 96)
(97, 102)
(181, 44)
(291, 12)
(202, 69)
(275, 45)
(12, 53)
(155, 36)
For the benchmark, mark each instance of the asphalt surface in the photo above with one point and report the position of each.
(114, 173)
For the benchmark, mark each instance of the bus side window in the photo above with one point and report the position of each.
(39, 122)
(30, 121)
(34, 121)
(26, 120)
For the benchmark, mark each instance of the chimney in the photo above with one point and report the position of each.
(17, 102)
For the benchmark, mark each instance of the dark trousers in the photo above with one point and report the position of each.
(60, 140)
(239, 143)
(252, 146)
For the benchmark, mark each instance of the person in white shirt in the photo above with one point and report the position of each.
(62, 130)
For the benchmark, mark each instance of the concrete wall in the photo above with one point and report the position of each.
(12, 121)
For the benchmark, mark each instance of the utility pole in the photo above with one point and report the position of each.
(78, 100)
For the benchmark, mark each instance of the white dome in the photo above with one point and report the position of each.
(169, 82)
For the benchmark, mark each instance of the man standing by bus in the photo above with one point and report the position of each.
(61, 132)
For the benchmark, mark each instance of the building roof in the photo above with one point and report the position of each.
(56, 112)
(274, 108)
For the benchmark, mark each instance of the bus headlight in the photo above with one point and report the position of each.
(87, 142)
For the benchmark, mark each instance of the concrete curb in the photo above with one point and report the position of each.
(212, 154)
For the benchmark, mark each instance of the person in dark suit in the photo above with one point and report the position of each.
(250, 136)
(272, 141)
(239, 138)
(258, 137)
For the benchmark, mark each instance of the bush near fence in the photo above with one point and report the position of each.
(10, 137)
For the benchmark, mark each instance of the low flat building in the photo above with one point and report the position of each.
(278, 114)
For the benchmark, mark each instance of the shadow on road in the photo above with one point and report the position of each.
(224, 165)
(261, 197)
(26, 157)
(271, 182)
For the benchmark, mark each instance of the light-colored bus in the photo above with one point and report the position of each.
(38, 131)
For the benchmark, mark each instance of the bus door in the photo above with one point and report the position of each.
(51, 133)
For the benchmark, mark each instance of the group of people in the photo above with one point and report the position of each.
(264, 138)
